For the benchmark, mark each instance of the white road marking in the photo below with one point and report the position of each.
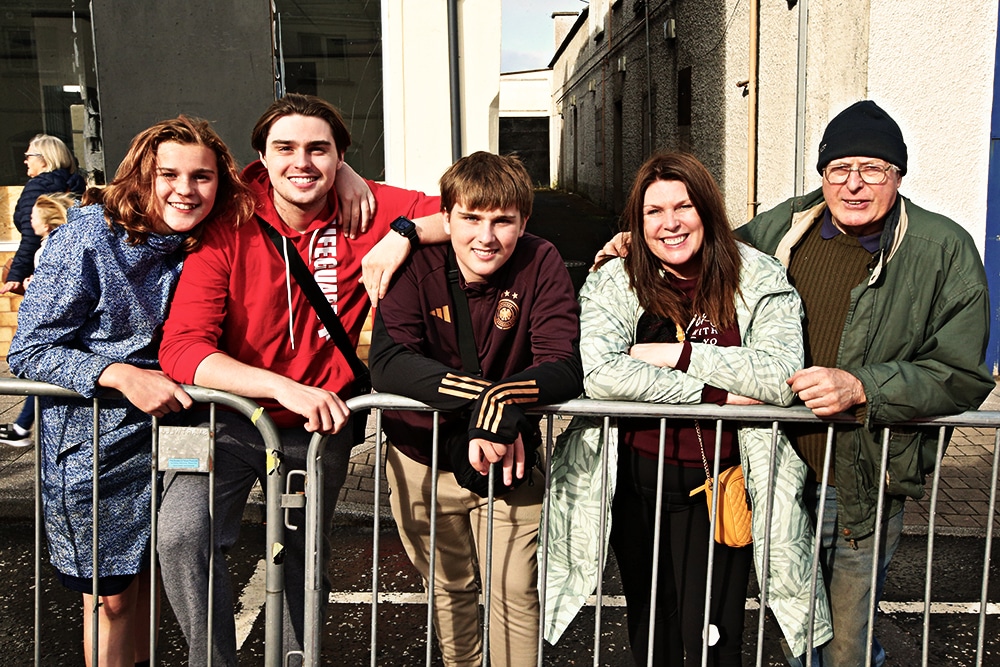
(251, 604)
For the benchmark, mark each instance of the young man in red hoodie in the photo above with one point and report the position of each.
(239, 322)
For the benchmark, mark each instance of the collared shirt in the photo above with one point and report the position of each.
(830, 230)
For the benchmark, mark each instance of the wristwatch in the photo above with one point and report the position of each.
(405, 227)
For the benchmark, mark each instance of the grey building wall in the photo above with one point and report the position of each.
(160, 59)
(529, 139)
(628, 88)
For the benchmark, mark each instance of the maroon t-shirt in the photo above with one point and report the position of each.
(681, 446)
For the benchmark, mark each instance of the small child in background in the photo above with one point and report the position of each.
(48, 213)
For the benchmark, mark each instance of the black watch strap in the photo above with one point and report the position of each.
(405, 227)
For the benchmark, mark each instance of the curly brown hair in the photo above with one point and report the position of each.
(129, 199)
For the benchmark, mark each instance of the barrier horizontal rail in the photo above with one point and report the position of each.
(757, 414)
(754, 413)
(275, 487)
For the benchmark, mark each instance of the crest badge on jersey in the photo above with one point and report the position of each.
(507, 311)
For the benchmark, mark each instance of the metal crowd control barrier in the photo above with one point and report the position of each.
(766, 416)
(274, 530)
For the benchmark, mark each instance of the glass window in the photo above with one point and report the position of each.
(49, 87)
(333, 49)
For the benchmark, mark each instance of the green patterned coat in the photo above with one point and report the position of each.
(769, 314)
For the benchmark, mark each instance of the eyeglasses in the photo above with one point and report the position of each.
(872, 174)
(27, 155)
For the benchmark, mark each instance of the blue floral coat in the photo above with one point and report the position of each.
(95, 300)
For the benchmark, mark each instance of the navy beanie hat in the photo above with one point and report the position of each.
(863, 129)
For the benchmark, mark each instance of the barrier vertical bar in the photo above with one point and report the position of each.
(488, 579)
(314, 560)
(988, 550)
(36, 438)
(154, 470)
(654, 583)
(432, 561)
(710, 570)
(877, 544)
(930, 542)
(210, 603)
(818, 541)
(603, 541)
(274, 562)
(765, 577)
(377, 507)
(95, 603)
(543, 530)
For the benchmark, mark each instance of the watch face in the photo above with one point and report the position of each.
(404, 227)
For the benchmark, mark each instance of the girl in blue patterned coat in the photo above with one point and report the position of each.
(93, 319)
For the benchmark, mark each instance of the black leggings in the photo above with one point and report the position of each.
(683, 565)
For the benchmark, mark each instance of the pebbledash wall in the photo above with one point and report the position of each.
(633, 76)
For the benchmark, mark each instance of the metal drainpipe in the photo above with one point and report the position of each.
(649, 86)
(800, 100)
(752, 109)
(456, 88)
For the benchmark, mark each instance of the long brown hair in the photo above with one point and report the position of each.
(718, 284)
(129, 199)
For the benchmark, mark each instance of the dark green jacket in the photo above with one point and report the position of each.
(915, 336)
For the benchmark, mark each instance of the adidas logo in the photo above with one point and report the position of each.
(442, 313)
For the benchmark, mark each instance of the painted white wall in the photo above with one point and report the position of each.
(417, 91)
(524, 94)
(931, 67)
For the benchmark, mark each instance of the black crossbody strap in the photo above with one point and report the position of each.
(463, 320)
(323, 309)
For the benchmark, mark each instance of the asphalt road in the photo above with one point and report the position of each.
(402, 615)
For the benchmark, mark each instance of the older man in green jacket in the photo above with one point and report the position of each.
(897, 319)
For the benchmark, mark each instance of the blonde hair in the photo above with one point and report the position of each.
(54, 152)
(52, 208)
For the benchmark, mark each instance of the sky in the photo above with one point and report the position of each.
(527, 40)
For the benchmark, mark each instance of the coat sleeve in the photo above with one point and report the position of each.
(24, 258)
(56, 308)
(947, 374)
(194, 324)
(608, 315)
(398, 368)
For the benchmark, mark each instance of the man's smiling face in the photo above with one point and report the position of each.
(302, 159)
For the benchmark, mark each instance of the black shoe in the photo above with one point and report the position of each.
(9, 436)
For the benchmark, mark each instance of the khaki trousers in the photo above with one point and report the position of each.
(461, 555)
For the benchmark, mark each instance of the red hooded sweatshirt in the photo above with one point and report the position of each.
(236, 297)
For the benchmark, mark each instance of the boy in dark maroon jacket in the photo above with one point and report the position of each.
(525, 327)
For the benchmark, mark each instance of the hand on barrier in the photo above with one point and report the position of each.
(827, 391)
(149, 390)
(324, 411)
(483, 453)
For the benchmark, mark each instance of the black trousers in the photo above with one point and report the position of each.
(682, 567)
